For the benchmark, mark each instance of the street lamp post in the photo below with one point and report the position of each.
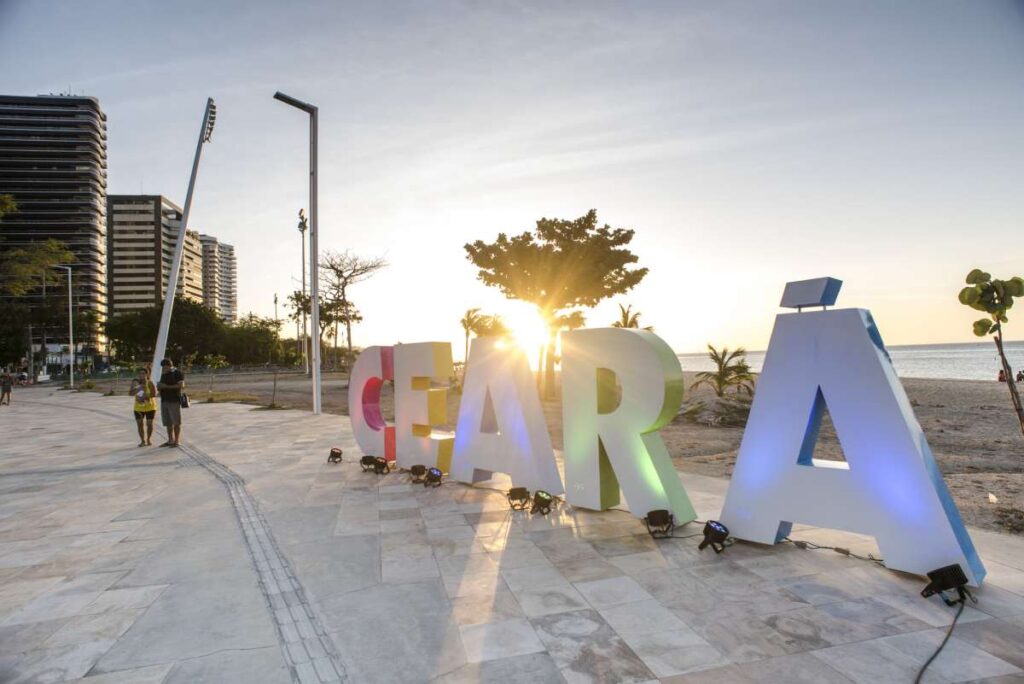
(71, 331)
(314, 282)
(205, 131)
(303, 225)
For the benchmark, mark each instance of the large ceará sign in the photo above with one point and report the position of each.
(620, 386)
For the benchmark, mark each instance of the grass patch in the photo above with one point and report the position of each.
(228, 396)
(1010, 519)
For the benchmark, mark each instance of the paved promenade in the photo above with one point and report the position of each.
(245, 557)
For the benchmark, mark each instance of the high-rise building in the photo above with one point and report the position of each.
(219, 277)
(142, 231)
(53, 160)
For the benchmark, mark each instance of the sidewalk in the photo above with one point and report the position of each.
(245, 557)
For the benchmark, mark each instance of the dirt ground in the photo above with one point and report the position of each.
(970, 427)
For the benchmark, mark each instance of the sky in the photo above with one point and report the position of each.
(747, 144)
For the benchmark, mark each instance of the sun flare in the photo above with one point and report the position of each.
(527, 328)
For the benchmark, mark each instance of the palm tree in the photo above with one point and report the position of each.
(629, 319)
(731, 370)
(469, 323)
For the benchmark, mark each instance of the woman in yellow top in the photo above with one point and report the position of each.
(143, 392)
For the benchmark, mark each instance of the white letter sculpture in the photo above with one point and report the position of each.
(419, 407)
(619, 386)
(501, 424)
(889, 487)
(373, 366)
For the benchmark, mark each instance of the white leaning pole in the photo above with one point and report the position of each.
(209, 117)
(314, 278)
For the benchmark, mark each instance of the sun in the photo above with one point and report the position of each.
(527, 328)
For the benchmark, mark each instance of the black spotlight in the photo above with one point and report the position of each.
(334, 456)
(541, 502)
(518, 498)
(368, 463)
(715, 534)
(947, 579)
(432, 478)
(417, 473)
(660, 524)
(380, 466)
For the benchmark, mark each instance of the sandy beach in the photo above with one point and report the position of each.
(969, 424)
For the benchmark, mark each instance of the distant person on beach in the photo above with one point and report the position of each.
(172, 381)
(1002, 376)
(144, 405)
(6, 383)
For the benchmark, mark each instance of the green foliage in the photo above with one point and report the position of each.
(7, 205)
(24, 268)
(731, 370)
(993, 296)
(196, 333)
(492, 326)
(629, 318)
(560, 266)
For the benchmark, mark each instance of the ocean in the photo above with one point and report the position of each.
(971, 361)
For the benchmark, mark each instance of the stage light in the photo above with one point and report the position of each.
(334, 456)
(432, 478)
(660, 524)
(541, 502)
(947, 579)
(715, 534)
(380, 466)
(518, 498)
(368, 463)
(416, 473)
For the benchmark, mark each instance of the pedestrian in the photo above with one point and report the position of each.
(6, 383)
(172, 381)
(1020, 376)
(144, 405)
(1001, 377)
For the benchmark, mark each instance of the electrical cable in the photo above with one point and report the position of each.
(812, 546)
(949, 633)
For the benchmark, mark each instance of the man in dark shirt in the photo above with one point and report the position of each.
(172, 381)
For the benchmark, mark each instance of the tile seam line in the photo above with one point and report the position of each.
(234, 485)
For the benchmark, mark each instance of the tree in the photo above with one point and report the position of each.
(24, 268)
(560, 266)
(7, 205)
(491, 326)
(469, 324)
(342, 270)
(212, 363)
(731, 370)
(629, 318)
(331, 311)
(994, 297)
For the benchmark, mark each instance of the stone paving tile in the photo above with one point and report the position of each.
(474, 610)
(154, 674)
(612, 592)
(532, 668)
(550, 599)
(585, 648)
(448, 574)
(503, 639)
(959, 660)
(998, 637)
(676, 652)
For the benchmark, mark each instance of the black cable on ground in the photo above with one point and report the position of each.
(949, 633)
(811, 546)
